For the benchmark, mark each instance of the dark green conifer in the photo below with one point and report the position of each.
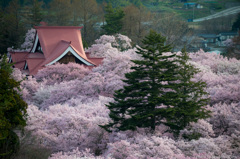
(36, 13)
(186, 103)
(138, 104)
(113, 18)
(12, 111)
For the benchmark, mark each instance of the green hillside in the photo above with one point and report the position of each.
(208, 7)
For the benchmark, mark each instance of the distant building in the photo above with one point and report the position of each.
(215, 40)
(189, 5)
(199, 6)
(228, 35)
(210, 38)
(53, 44)
(193, 5)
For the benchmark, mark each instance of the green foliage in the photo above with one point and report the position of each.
(12, 111)
(36, 13)
(31, 148)
(192, 136)
(4, 64)
(3, 33)
(159, 90)
(187, 101)
(4, 3)
(85, 44)
(118, 3)
(12, 28)
(122, 3)
(59, 12)
(9, 145)
(236, 24)
(113, 17)
(137, 3)
(137, 105)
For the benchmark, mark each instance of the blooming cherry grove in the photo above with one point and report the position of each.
(67, 103)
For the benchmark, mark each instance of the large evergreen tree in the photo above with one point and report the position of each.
(138, 104)
(114, 20)
(12, 111)
(186, 103)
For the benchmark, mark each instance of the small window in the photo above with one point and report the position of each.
(69, 57)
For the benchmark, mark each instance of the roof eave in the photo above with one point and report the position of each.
(58, 27)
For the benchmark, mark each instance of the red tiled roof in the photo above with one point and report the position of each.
(87, 54)
(85, 58)
(18, 56)
(50, 36)
(20, 65)
(54, 41)
(36, 55)
(33, 64)
(56, 52)
(96, 61)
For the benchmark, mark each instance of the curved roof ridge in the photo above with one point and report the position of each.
(58, 27)
(85, 58)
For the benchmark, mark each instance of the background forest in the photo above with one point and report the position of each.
(18, 16)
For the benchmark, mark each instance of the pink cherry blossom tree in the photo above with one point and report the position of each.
(67, 103)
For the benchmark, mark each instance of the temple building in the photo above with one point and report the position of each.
(53, 44)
